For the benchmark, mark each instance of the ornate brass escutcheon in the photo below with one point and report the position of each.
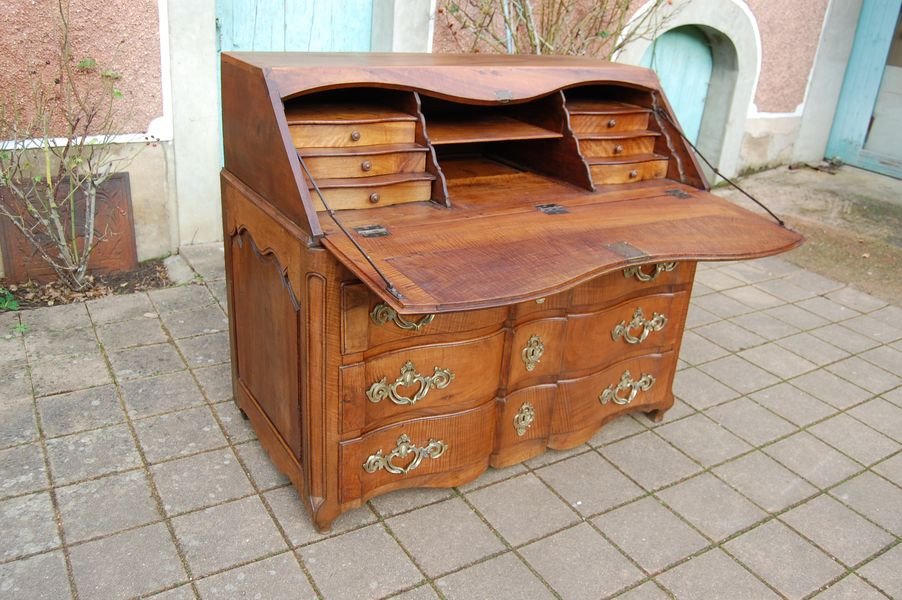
(403, 449)
(440, 379)
(533, 352)
(656, 323)
(524, 418)
(612, 393)
(641, 275)
(383, 313)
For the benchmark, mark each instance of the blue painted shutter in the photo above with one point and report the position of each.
(683, 61)
(295, 25)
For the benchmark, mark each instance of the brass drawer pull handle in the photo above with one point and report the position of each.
(377, 461)
(374, 198)
(641, 275)
(656, 323)
(634, 173)
(366, 165)
(612, 393)
(618, 149)
(612, 123)
(383, 313)
(439, 380)
(532, 352)
(524, 418)
(355, 136)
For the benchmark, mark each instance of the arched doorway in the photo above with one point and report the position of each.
(729, 30)
(684, 63)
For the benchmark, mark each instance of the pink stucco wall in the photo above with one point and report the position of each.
(790, 32)
(121, 35)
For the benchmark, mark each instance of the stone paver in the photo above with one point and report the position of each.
(539, 511)
(366, 563)
(106, 505)
(562, 558)
(464, 537)
(784, 559)
(714, 575)
(241, 531)
(778, 472)
(501, 578)
(127, 564)
(648, 532)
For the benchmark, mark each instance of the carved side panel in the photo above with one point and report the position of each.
(267, 330)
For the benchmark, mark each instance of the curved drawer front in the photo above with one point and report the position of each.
(348, 134)
(607, 147)
(422, 452)
(585, 403)
(368, 323)
(611, 122)
(636, 326)
(603, 173)
(534, 308)
(329, 164)
(536, 351)
(426, 380)
(639, 279)
(524, 423)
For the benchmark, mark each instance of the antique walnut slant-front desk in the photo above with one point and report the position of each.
(506, 266)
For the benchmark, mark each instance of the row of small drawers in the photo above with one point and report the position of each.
(557, 415)
(362, 155)
(370, 326)
(616, 142)
(451, 376)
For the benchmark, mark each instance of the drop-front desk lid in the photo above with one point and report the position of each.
(497, 246)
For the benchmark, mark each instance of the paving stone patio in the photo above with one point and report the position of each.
(126, 470)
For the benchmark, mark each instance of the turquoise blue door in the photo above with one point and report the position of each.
(295, 25)
(868, 122)
(683, 61)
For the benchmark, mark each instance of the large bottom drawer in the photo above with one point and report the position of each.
(430, 452)
(583, 405)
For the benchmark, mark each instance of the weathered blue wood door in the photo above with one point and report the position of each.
(868, 126)
(295, 25)
(683, 61)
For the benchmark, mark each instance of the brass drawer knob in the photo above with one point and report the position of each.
(383, 313)
(618, 149)
(355, 136)
(524, 418)
(641, 275)
(614, 393)
(374, 198)
(612, 123)
(439, 380)
(403, 449)
(366, 165)
(532, 352)
(634, 173)
(624, 329)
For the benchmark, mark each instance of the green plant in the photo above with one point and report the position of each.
(574, 27)
(59, 150)
(20, 328)
(7, 300)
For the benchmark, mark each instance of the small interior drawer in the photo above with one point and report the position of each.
(604, 172)
(345, 135)
(620, 145)
(336, 163)
(370, 192)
